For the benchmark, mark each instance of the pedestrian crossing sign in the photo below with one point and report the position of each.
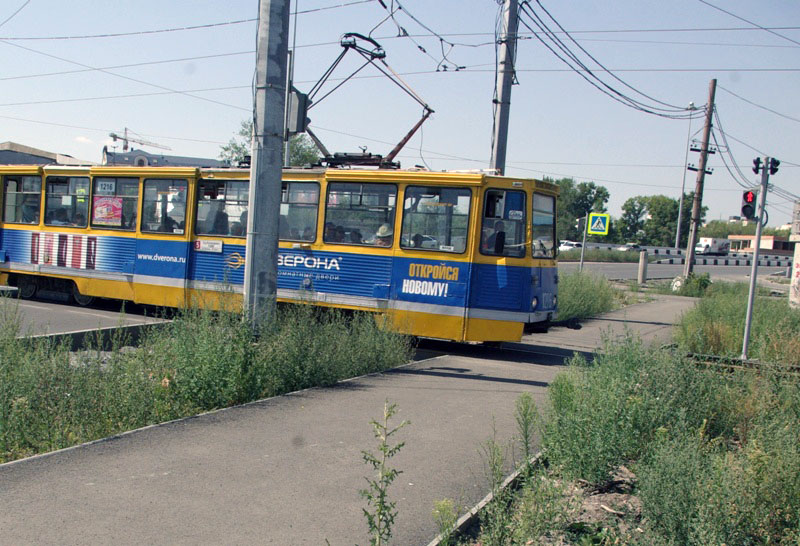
(597, 224)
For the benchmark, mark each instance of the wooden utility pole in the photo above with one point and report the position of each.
(261, 265)
(701, 176)
(505, 78)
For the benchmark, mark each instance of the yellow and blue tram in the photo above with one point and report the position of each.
(457, 256)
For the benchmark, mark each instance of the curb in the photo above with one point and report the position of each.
(470, 518)
(78, 340)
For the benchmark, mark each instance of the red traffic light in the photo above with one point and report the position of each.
(749, 196)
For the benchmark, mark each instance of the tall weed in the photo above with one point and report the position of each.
(51, 398)
(583, 295)
(716, 326)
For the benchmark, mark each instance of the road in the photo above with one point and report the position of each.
(669, 271)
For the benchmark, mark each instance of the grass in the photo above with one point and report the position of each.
(51, 399)
(584, 295)
(716, 326)
(717, 458)
(597, 255)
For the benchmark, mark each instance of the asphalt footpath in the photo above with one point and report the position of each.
(288, 470)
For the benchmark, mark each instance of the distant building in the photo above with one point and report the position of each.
(775, 244)
(12, 153)
(140, 158)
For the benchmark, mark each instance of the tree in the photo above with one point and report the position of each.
(302, 151)
(632, 219)
(574, 201)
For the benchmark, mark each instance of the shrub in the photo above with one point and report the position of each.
(583, 295)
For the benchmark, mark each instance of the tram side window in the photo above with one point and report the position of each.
(299, 206)
(66, 201)
(544, 226)
(164, 206)
(435, 218)
(115, 202)
(222, 208)
(22, 196)
(360, 214)
(503, 226)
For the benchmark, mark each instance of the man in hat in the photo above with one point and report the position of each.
(383, 237)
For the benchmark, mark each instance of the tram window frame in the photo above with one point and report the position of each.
(182, 186)
(102, 192)
(490, 218)
(407, 240)
(235, 193)
(291, 201)
(540, 212)
(72, 201)
(389, 211)
(20, 199)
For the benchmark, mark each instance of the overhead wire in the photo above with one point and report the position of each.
(155, 85)
(709, 4)
(568, 57)
(19, 9)
(758, 105)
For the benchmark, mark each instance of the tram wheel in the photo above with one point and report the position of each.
(81, 299)
(27, 287)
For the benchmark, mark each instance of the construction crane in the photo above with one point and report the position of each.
(125, 139)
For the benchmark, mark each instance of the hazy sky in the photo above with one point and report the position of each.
(66, 95)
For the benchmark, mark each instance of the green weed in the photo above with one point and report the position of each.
(381, 519)
(584, 295)
(51, 398)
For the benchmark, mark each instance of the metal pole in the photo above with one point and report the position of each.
(701, 175)
(762, 200)
(287, 144)
(683, 183)
(261, 265)
(287, 150)
(505, 78)
(583, 245)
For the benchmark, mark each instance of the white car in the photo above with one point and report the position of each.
(629, 247)
(568, 245)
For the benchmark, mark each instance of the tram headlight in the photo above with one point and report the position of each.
(534, 302)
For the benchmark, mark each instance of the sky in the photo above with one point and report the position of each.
(63, 88)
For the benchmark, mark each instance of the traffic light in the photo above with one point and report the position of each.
(773, 165)
(757, 165)
(749, 204)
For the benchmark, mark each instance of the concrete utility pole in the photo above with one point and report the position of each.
(701, 176)
(762, 201)
(261, 265)
(683, 183)
(505, 78)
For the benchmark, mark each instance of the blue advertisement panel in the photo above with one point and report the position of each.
(159, 258)
(430, 281)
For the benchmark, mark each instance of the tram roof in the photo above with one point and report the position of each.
(314, 173)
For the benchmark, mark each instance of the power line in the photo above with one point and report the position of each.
(157, 86)
(7, 19)
(99, 130)
(709, 4)
(123, 34)
(451, 157)
(574, 63)
(131, 65)
(759, 105)
(135, 95)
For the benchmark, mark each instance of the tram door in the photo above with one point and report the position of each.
(162, 248)
(431, 266)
